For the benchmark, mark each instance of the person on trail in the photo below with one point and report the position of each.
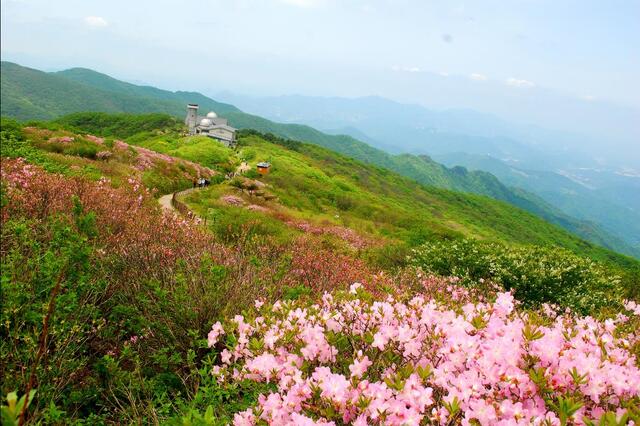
(195, 183)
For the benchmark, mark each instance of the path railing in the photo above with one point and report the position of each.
(180, 206)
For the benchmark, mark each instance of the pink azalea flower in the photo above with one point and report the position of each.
(359, 366)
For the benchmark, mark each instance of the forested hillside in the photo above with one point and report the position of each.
(29, 94)
(32, 94)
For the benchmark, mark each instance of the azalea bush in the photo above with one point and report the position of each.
(14, 144)
(136, 289)
(536, 274)
(128, 287)
(449, 358)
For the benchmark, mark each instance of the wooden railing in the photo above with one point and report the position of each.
(180, 206)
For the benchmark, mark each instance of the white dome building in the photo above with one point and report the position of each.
(210, 125)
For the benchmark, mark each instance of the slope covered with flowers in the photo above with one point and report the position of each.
(107, 302)
(431, 358)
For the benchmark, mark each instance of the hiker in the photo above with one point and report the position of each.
(195, 182)
(207, 182)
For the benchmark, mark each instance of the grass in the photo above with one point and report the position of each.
(77, 157)
(317, 184)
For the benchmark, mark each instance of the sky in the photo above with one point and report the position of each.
(570, 65)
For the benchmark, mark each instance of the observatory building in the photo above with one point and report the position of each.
(210, 125)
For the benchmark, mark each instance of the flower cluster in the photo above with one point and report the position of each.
(146, 159)
(94, 139)
(405, 361)
(354, 239)
(62, 139)
(103, 155)
(322, 269)
(232, 200)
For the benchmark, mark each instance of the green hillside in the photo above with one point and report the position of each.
(125, 292)
(314, 183)
(617, 215)
(309, 183)
(29, 94)
(32, 94)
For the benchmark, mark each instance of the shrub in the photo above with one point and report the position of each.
(352, 359)
(103, 155)
(13, 144)
(252, 174)
(135, 286)
(117, 125)
(345, 203)
(536, 274)
(82, 149)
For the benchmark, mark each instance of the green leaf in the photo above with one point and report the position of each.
(12, 397)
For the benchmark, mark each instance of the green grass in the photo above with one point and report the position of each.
(314, 183)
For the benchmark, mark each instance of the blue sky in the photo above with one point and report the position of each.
(519, 59)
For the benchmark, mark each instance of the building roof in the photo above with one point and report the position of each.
(264, 164)
(219, 137)
(224, 126)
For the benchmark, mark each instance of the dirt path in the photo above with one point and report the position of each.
(165, 203)
(166, 200)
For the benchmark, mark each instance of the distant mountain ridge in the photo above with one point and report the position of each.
(601, 205)
(32, 94)
(398, 127)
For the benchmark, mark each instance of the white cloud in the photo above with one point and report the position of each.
(96, 21)
(519, 83)
(302, 3)
(405, 69)
(444, 74)
(478, 77)
(589, 98)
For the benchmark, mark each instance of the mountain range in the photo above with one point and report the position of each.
(29, 94)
